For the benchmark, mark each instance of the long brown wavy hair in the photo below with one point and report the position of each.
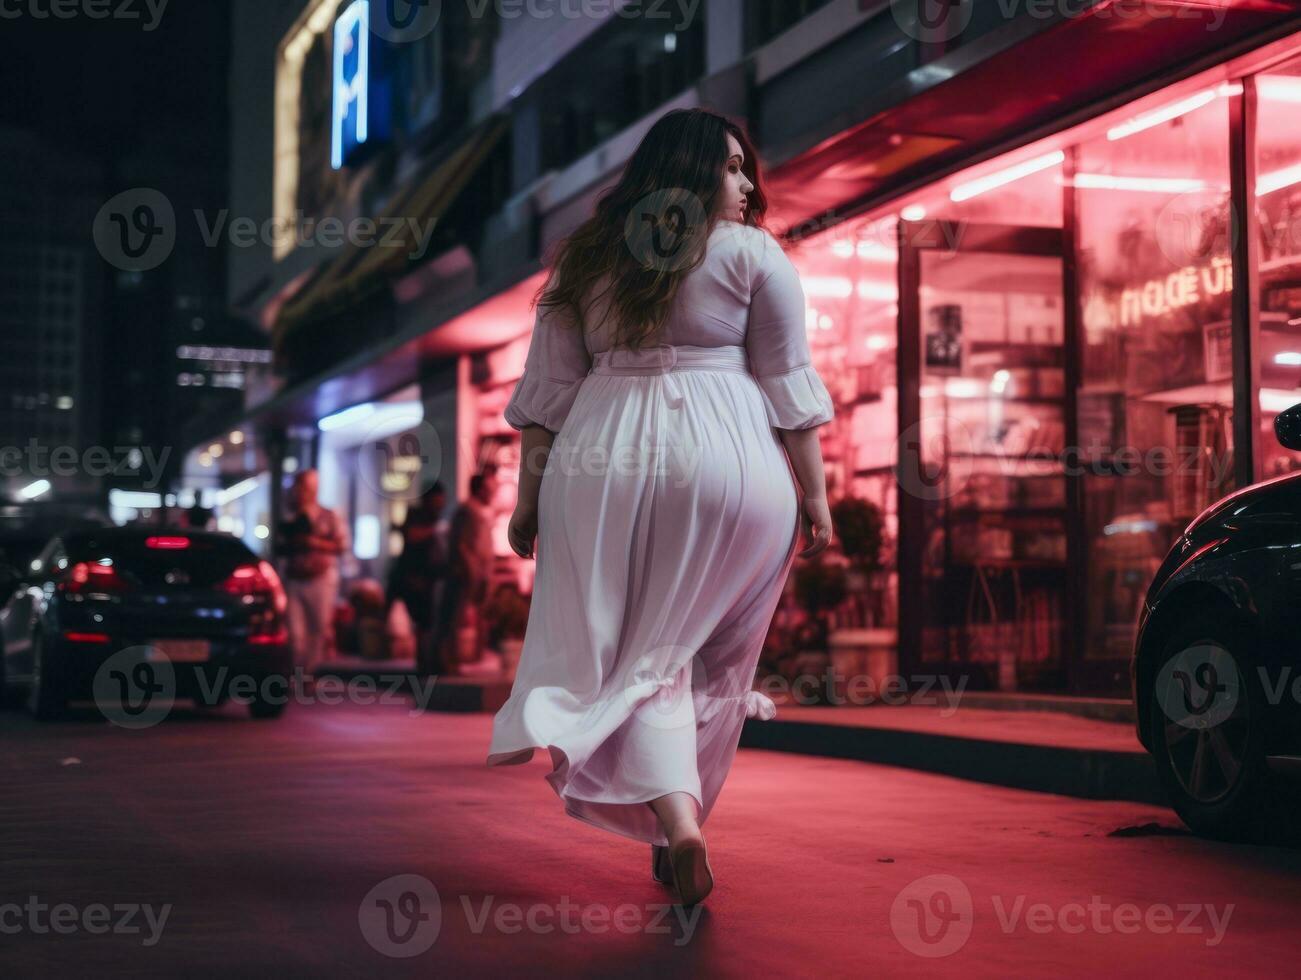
(650, 228)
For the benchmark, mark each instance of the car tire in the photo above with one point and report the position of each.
(46, 699)
(264, 709)
(1211, 761)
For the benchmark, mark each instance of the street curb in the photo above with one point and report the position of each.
(456, 693)
(1083, 773)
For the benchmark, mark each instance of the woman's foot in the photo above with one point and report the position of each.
(678, 817)
(661, 868)
(693, 879)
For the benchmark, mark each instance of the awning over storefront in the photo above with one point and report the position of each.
(1003, 86)
(950, 113)
(495, 314)
(401, 236)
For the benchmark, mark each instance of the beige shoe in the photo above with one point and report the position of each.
(660, 870)
(692, 877)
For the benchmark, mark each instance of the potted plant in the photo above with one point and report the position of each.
(820, 586)
(865, 650)
(508, 612)
(860, 527)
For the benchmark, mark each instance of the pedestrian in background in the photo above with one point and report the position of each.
(197, 516)
(310, 543)
(420, 571)
(472, 556)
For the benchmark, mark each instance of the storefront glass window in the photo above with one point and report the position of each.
(851, 289)
(1024, 191)
(992, 434)
(1278, 211)
(988, 318)
(1156, 396)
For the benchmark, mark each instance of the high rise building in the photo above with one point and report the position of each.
(52, 291)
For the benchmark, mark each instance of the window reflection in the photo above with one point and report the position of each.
(1278, 211)
(1156, 395)
(851, 290)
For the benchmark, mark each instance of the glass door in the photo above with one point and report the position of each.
(982, 479)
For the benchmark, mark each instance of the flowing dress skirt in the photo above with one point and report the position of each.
(668, 523)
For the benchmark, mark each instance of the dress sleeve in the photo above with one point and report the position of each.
(554, 368)
(778, 346)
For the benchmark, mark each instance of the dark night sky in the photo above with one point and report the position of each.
(109, 87)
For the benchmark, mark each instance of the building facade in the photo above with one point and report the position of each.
(52, 314)
(1057, 316)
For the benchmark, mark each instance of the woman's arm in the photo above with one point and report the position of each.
(535, 447)
(805, 452)
(796, 400)
(554, 368)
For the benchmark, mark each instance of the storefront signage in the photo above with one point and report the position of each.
(1185, 287)
(944, 338)
(351, 125)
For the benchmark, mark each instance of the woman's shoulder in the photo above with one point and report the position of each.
(741, 235)
(753, 250)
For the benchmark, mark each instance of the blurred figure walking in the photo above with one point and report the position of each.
(310, 542)
(471, 554)
(420, 572)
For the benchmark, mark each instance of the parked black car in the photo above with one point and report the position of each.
(1216, 669)
(200, 603)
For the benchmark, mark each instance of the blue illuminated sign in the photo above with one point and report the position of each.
(351, 127)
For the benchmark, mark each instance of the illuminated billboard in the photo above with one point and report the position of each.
(359, 101)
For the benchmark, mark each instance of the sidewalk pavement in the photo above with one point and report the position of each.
(1049, 751)
(1081, 747)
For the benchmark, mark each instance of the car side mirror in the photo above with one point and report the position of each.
(1287, 428)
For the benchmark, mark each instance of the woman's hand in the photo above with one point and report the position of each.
(817, 525)
(522, 530)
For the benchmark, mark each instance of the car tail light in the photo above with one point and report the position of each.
(87, 577)
(257, 580)
(280, 635)
(251, 582)
(77, 637)
(165, 543)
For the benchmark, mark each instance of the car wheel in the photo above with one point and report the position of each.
(263, 705)
(1209, 718)
(45, 697)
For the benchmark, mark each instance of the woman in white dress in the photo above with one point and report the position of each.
(668, 450)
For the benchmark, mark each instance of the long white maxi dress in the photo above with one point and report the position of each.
(668, 521)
